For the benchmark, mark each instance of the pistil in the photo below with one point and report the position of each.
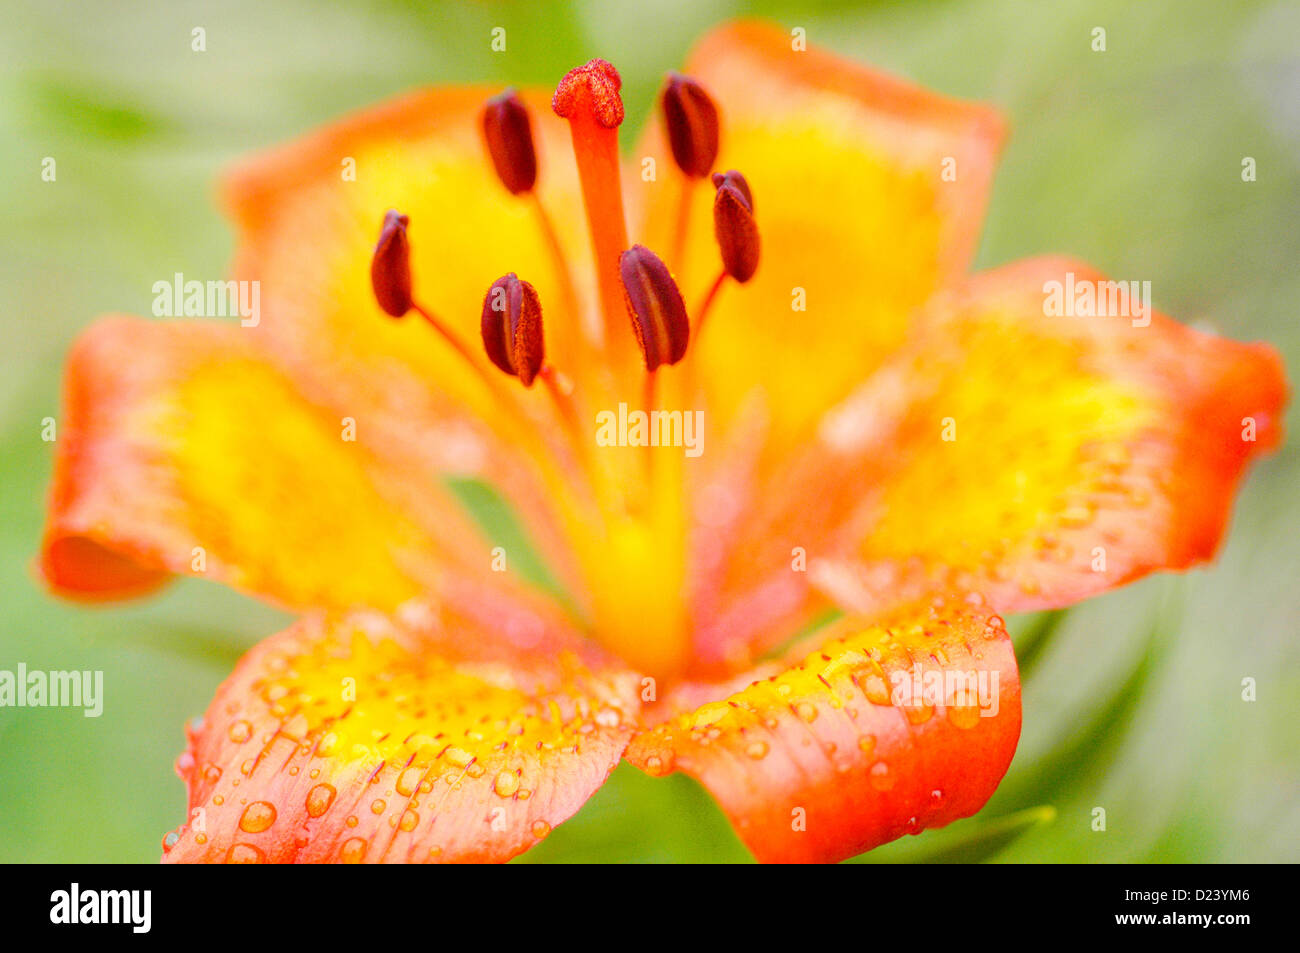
(588, 97)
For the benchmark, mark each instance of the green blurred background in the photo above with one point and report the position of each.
(1129, 158)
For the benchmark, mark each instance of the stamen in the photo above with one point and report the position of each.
(509, 134)
(692, 123)
(511, 325)
(390, 268)
(734, 226)
(508, 131)
(691, 120)
(706, 305)
(589, 98)
(737, 235)
(513, 338)
(655, 306)
(390, 275)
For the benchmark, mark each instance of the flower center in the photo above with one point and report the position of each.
(636, 561)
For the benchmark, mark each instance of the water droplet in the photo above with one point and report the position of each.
(319, 799)
(807, 711)
(540, 829)
(409, 780)
(240, 732)
(867, 743)
(881, 779)
(710, 714)
(377, 806)
(918, 714)
(964, 716)
(244, 854)
(757, 750)
(1076, 517)
(353, 850)
(506, 784)
(409, 820)
(170, 839)
(877, 692)
(458, 756)
(257, 817)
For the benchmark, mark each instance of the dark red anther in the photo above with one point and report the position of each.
(655, 306)
(512, 328)
(692, 122)
(509, 134)
(734, 225)
(390, 268)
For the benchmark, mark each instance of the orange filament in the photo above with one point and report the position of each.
(561, 264)
(702, 311)
(682, 227)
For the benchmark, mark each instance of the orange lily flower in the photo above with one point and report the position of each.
(885, 433)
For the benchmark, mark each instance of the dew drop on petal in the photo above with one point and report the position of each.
(506, 784)
(257, 817)
(244, 854)
(964, 716)
(319, 799)
(353, 850)
(409, 780)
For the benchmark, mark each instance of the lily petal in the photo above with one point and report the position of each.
(185, 451)
(306, 231)
(835, 754)
(847, 168)
(1043, 459)
(441, 735)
